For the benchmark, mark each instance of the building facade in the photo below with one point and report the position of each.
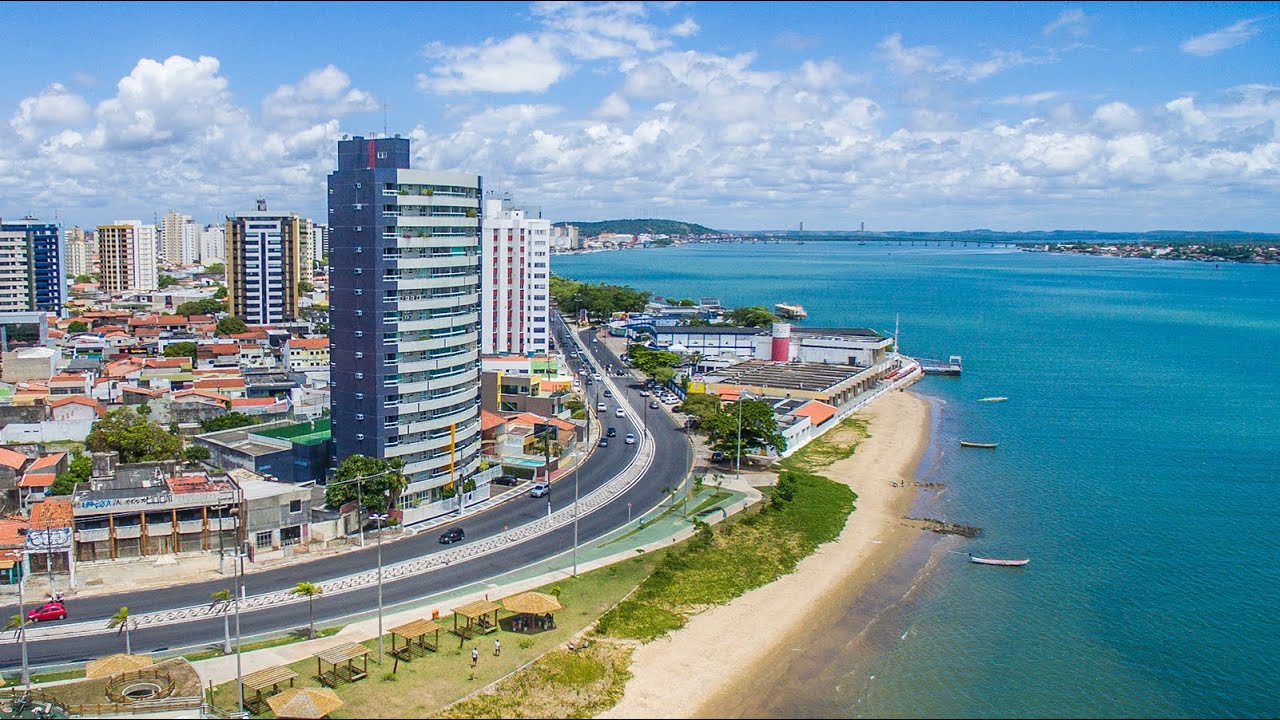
(43, 258)
(404, 318)
(515, 263)
(213, 244)
(179, 239)
(80, 252)
(127, 256)
(263, 266)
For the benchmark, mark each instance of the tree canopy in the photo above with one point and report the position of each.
(759, 429)
(227, 422)
(651, 362)
(600, 301)
(181, 349)
(208, 306)
(752, 316)
(80, 470)
(78, 326)
(220, 293)
(84, 279)
(166, 280)
(305, 286)
(703, 406)
(134, 437)
(216, 269)
(231, 326)
(378, 494)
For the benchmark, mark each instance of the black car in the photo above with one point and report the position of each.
(604, 442)
(451, 536)
(717, 456)
(608, 393)
(611, 432)
(508, 480)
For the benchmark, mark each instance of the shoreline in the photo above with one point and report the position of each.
(702, 669)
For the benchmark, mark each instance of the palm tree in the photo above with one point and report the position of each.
(14, 624)
(223, 597)
(309, 591)
(120, 622)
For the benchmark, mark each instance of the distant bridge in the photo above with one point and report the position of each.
(878, 240)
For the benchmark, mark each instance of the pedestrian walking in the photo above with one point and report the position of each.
(497, 647)
(475, 656)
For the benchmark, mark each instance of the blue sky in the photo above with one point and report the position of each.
(917, 116)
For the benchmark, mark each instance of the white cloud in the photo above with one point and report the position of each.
(1222, 39)
(1029, 99)
(165, 102)
(55, 106)
(521, 63)
(323, 92)
(929, 60)
(1117, 116)
(1072, 21)
(685, 28)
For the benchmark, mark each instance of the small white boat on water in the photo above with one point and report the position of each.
(999, 398)
(995, 561)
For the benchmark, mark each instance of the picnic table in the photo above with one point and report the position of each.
(341, 660)
(269, 678)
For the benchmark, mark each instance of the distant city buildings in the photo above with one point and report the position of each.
(565, 238)
(79, 251)
(213, 244)
(127, 256)
(179, 239)
(404, 313)
(515, 262)
(263, 267)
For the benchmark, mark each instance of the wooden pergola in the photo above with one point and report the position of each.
(342, 661)
(534, 611)
(414, 635)
(478, 622)
(269, 678)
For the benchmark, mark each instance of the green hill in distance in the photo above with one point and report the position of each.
(638, 227)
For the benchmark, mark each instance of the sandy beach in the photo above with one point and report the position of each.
(698, 670)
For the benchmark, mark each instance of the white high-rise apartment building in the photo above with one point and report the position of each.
(516, 267)
(262, 265)
(179, 239)
(213, 244)
(81, 252)
(306, 238)
(15, 272)
(127, 256)
(319, 244)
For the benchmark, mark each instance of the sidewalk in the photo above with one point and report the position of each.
(655, 532)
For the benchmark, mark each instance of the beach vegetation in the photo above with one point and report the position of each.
(599, 300)
(752, 316)
(834, 446)
(761, 547)
(562, 683)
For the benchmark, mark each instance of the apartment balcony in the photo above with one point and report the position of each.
(439, 303)
(438, 261)
(438, 323)
(435, 282)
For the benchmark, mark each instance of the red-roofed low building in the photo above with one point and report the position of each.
(74, 407)
(302, 354)
(818, 412)
(232, 387)
(69, 384)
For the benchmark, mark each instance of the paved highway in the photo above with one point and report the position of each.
(671, 464)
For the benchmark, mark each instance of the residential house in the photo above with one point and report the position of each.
(302, 354)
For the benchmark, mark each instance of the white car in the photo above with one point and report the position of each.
(630, 439)
(618, 413)
(644, 393)
(601, 407)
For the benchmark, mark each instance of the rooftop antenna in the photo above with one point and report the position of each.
(384, 119)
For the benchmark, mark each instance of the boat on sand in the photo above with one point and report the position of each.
(993, 561)
(969, 443)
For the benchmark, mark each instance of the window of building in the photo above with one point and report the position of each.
(262, 540)
(291, 535)
(295, 506)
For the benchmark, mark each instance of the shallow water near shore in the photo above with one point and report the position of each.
(1135, 468)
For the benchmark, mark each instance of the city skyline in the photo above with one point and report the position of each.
(1122, 117)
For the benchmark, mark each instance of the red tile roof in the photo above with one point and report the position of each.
(76, 399)
(54, 512)
(37, 480)
(308, 343)
(46, 463)
(11, 459)
(817, 412)
(488, 420)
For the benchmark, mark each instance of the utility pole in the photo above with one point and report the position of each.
(22, 616)
(379, 517)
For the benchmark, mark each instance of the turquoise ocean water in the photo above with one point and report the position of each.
(1137, 467)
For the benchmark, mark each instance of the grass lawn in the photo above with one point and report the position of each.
(261, 644)
(423, 687)
(835, 445)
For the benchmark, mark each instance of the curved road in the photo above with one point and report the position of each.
(672, 460)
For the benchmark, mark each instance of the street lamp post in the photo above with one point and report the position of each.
(241, 552)
(22, 617)
(738, 461)
(575, 522)
(379, 518)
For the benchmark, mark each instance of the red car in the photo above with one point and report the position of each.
(48, 611)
